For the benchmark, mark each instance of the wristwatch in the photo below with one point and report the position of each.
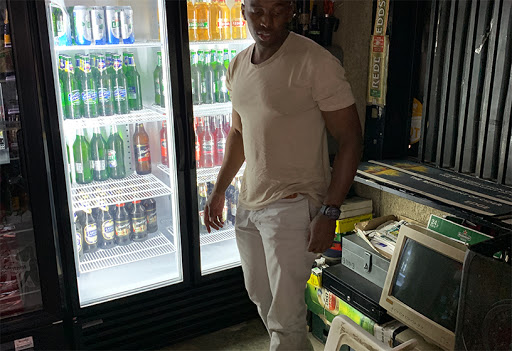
(332, 212)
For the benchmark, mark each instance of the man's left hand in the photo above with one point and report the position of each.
(321, 233)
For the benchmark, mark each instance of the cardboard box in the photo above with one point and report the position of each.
(455, 231)
(355, 206)
(387, 332)
(348, 224)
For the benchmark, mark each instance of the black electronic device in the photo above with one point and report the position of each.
(355, 290)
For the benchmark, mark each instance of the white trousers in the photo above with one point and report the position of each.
(276, 265)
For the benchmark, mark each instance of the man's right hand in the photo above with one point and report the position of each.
(213, 211)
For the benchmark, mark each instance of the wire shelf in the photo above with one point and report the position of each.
(156, 245)
(164, 168)
(137, 44)
(217, 237)
(145, 115)
(213, 109)
(158, 109)
(114, 191)
(210, 174)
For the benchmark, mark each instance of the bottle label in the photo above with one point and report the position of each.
(221, 146)
(91, 164)
(104, 95)
(201, 217)
(130, 61)
(192, 23)
(142, 153)
(120, 93)
(74, 97)
(101, 64)
(223, 86)
(122, 227)
(139, 224)
(87, 67)
(79, 167)
(223, 23)
(151, 217)
(78, 240)
(238, 22)
(203, 87)
(112, 161)
(99, 165)
(207, 147)
(202, 24)
(132, 93)
(163, 147)
(107, 230)
(91, 234)
(118, 64)
(198, 150)
(89, 97)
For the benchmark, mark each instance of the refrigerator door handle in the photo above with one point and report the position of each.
(180, 145)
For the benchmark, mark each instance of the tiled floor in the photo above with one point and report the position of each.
(247, 336)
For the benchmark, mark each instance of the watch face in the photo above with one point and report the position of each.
(332, 212)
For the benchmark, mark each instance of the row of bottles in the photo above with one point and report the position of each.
(230, 205)
(213, 20)
(108, 226)
(211, 134)
(99, 160)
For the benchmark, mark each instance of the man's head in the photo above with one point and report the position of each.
(268, 20)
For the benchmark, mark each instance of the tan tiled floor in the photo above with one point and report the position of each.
(247, 336)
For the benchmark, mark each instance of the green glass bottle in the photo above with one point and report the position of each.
(115, 155)
(156, 78)
(201, 66)
(72, 101)
(88, 90)
(196, 77)
(104, 85)
(209, 80)
(133, 84)
(83, 169)
(99, 156)
(119, 86)
(221, 90)
(125, 61)
(226, 58)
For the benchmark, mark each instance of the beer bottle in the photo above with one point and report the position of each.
(119, 86)
(209, 80)
(215, 16)
(156, 78)
(162, 82)
(72, 100)
(129, 207)
(78, 236)
(133, 84)
(192, 21)
(139, 222)
(83, 169)
(163, 144)
(202, 198)
(238, 30)
(226, 58)
(197, 78)
(207, 145)
(110, 64)
(125, 62)
(122, 225)
(90, 232)
(201, 66)
(88, 86)
(150, 206)
(141, 150)
(99, 155)
(221, 89)
(115, 155)
(203, 17)
(105, 225)
(104, 85)
(224, 22)
(220, 141)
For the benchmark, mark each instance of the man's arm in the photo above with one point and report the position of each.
(345, 127)
(233, 159)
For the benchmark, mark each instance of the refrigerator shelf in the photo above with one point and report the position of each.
(114, 191)
(164, 169)
(213, 109)
(144, 115)
(156, 245)
(137, 44)
(201, 44)
(217, 237)
(210, 174)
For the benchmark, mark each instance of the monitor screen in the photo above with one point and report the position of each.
(428, 282)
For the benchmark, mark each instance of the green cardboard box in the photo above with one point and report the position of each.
(455, 231)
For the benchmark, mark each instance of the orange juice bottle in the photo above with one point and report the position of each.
(238, 30)
(203, 20)
(214, 20)
(224, 20)
(192, 21)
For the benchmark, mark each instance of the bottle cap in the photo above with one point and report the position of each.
(120, 205)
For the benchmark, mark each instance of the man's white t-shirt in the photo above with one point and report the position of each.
(280, 103)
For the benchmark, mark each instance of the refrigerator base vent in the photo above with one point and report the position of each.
(145, 115)
(156, 245)
(217, 237)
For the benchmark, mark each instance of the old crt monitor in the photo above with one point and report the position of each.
(423, 283)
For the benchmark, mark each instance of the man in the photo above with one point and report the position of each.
(286, 90)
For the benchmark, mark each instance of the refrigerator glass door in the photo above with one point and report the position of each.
(20, 290)
(217, 32)
(111, 71)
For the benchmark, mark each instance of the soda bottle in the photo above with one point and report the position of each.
(227, 124)
(202, 198)
(83, 168)
(119, 86)
(125, 61)
(221, 89)
(220, 142)
(150, 206)
(79, 236)
(104, 85)
(209, 80)
(72, 101)
(233, 54)
(88, 86)
(105, 225)
(110, 62)
(197, 142)
(115, 155)
(238, 30)
(201, 65)
(224, 21)
(202, 9)
(215, 15)
(196, 76)
(139, 222)
(99, 155)
(122, 225)
(156, 78)
(90, 232)
(207, 145)
(192, 21)
(163, 144)
(133, 84)
(141, 150)
(226, 58)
